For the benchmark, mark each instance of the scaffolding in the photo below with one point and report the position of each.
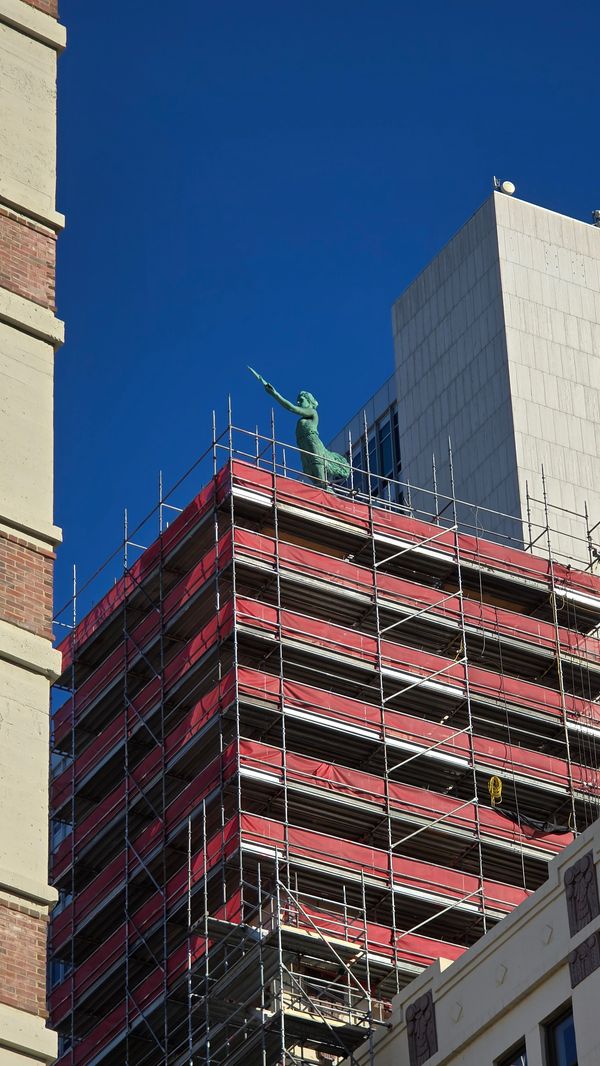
(272, 745)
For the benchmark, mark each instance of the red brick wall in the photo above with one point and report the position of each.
(49, 7)
(27, 259)
(23, 958)
(26, 585)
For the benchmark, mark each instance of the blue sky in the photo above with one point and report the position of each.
(256, 183)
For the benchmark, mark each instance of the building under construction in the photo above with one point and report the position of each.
(309, 741)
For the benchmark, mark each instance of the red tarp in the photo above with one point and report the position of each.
(180, 528)
(481, 552)
(434, 669)
(445, 884)
(403, 799)
(324, 707)
(218, 628)
(145, 633)
(342, 855)
(101, 815)
(417, 597)
(111, 878)
(386, 523)
(327, 707)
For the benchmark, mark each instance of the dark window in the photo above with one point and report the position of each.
(518, 1057)
(382, 448)
(560, 1041)
(359, 463)
(373, 464)
(397, 462)
(386, 458)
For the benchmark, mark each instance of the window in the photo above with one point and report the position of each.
(386, 457)
(397, 461)
(560, 1041)
(518, 1057)
(381, 451)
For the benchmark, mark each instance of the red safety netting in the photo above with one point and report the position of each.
(381, 939)
(440, 674)
(172, 537)
(438, 884)
(408, 800)
(401, 592)
(218, 628)
(364, 719)
(96, 821)
(481, 552)
(411, 531)
(111, 878)
(325, 709)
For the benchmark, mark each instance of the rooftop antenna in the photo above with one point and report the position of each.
(506, 187)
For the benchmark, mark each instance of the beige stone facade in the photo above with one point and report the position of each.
(503, 997)
(30, 42)
(498, 347)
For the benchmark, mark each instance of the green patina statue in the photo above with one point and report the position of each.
(318, 463)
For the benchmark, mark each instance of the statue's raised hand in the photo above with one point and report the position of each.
(267, 384)
(258, 376)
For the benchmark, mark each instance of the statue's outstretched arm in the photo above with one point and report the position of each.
(303, 412)
(289, 406)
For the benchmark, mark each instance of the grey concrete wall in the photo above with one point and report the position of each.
(498, 347)
(452, 376)
(550, 272)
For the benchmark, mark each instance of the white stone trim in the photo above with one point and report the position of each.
(33, 23)
(29, 203)
(27, 1034)
(26, 889)
(31, 317)
(43, 535)
(22, 648)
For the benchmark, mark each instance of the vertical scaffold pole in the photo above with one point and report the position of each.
(163, 790)
(236, 660)
(378, 627)
(207, 1043)
(559, 665)
(214, 443)
(189, 943)
(588, 536)
(470, 734)
(280, 987)
(281, 678)
(368, 973)
(263, 1003)
(529, 526)
(126, 774)
(73, 808)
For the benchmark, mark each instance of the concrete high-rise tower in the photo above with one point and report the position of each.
(497, 346)
(30, 40)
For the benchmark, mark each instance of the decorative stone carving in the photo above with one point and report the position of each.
(585, 959)
(422, 1032)
(581, 888)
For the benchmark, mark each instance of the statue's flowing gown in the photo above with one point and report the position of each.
(319, 463)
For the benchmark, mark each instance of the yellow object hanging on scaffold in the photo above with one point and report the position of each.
(495, 790)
